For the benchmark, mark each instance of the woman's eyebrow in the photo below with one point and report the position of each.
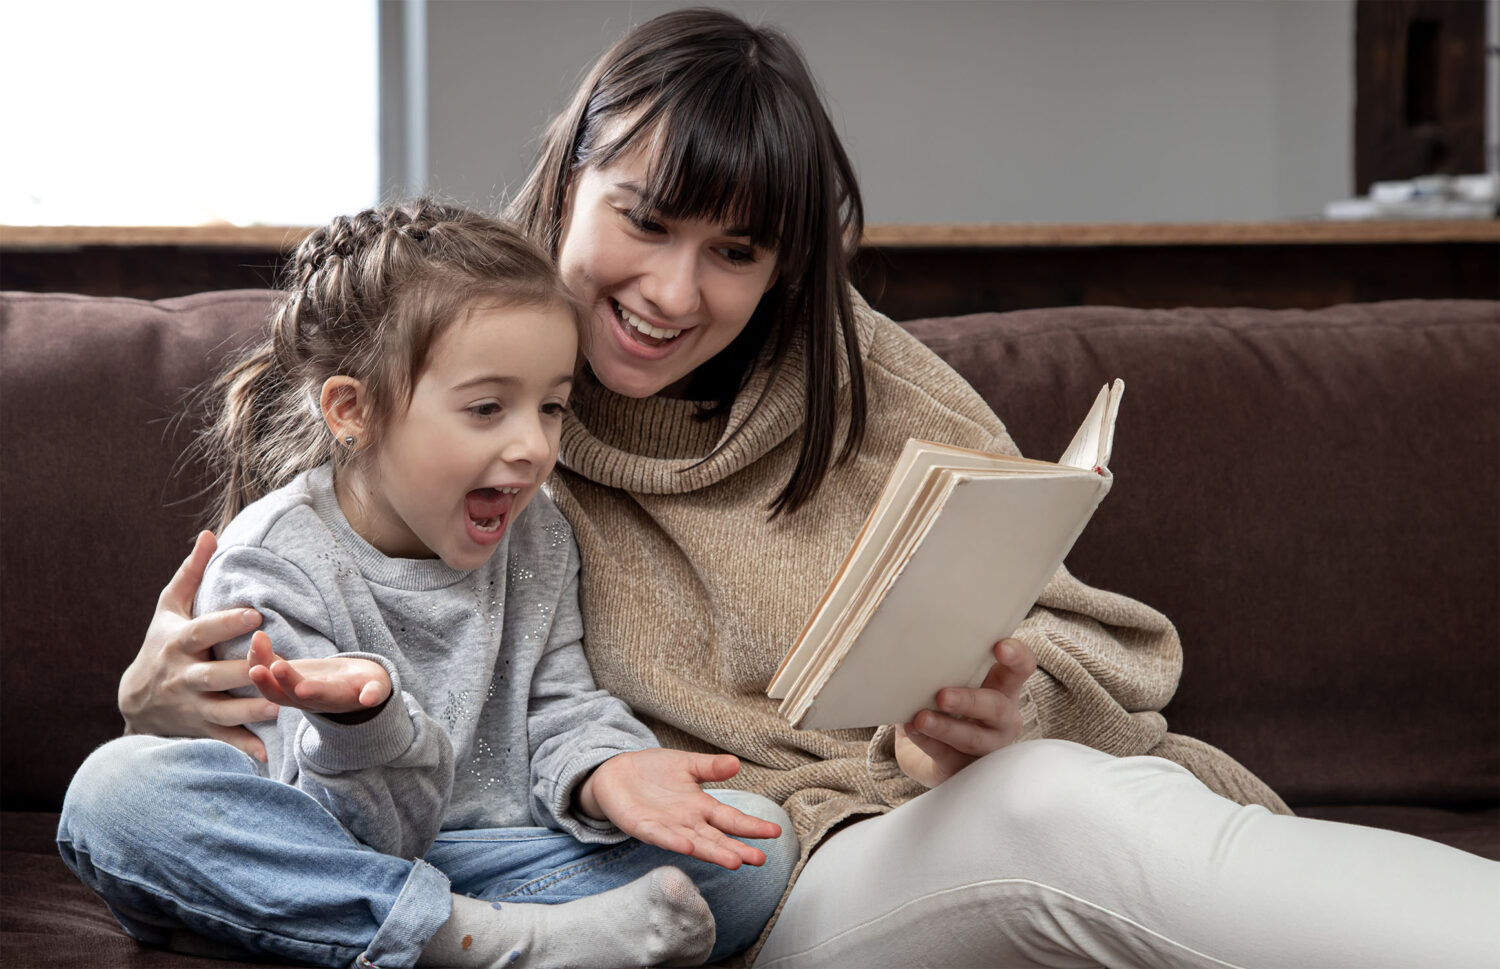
(636, 189)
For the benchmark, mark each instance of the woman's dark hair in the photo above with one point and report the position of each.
(737, 134)
(366, 296)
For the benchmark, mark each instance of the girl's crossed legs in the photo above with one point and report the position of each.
(1052, 854)
(184, 839)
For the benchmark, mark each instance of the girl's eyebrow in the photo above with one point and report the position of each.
(636, 189)
(508, 381)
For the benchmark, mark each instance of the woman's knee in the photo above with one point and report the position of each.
(1057, 785)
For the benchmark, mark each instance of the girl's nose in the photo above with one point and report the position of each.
(671, 282)
(528, 442)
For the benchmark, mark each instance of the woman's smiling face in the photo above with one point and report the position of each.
(667, 294)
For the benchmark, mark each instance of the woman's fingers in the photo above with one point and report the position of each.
(236, 711)
(178, 595)
(945, 759)
(198, 636)
(241, 738)
(1014, 664)
(971, 737)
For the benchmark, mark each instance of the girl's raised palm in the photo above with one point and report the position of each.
(656, 796)
(328, 685)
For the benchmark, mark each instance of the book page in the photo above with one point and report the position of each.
(1094, 440)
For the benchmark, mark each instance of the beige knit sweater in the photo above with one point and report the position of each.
(691, 596)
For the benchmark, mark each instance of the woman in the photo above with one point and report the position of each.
(741, 409)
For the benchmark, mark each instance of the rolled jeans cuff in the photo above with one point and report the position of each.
(421, 908)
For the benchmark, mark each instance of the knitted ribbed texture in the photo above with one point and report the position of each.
(691, 596)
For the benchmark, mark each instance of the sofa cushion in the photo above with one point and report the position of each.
(93, 521)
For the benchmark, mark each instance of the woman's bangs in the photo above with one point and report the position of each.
(730, 162)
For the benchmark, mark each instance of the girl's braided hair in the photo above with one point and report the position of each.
(365, 296)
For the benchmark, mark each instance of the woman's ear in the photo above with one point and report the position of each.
(345, 410)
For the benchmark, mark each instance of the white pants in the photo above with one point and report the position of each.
(1052, 854)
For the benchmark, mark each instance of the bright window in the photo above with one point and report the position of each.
(183, 112)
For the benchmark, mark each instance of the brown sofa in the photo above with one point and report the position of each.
(1314, 497)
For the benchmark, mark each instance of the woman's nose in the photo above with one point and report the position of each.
(671, 282)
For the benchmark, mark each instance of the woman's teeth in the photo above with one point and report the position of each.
(639, 324)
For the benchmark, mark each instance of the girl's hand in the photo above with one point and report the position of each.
(174, 688)
(936, 745)
(329, 685)
(656, 796)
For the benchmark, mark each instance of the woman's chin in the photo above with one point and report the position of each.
(634, 381)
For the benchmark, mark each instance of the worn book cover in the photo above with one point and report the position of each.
(954, 554)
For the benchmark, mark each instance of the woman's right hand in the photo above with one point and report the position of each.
(174, 688)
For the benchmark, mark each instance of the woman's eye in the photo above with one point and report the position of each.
(738, 254)
(644, 222)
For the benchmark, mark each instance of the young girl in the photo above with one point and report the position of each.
(695, 193)
(385, 449)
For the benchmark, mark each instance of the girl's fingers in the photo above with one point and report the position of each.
(371, 694)
(732, 821)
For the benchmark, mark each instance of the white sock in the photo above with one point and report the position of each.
(657, 920)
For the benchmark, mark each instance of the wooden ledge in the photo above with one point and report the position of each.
(947, 236)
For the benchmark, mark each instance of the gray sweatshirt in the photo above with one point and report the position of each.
(494, 719)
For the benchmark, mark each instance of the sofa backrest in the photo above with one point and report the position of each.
(1314, 498)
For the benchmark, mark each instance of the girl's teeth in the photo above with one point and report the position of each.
(644, 327)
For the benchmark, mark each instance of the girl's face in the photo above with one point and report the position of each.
(667, 294)
(450, 473)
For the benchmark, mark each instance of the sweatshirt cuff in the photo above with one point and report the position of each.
(563, 805)
(332, 747)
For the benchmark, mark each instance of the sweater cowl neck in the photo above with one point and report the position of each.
(660, 446)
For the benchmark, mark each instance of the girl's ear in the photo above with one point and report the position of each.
(345, 410)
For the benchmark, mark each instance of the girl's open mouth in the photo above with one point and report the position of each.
(487, 511)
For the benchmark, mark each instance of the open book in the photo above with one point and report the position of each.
(952, 557)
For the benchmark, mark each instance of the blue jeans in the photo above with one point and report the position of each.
(184, 839)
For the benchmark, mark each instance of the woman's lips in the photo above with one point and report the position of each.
(639, 336)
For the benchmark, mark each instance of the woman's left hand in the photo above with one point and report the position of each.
(935, 745)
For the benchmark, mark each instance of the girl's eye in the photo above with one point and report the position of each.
(487, 409)
(554, 409)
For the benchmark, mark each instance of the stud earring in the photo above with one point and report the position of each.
(350, 440)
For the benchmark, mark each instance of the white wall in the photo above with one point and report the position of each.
(970, 111)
